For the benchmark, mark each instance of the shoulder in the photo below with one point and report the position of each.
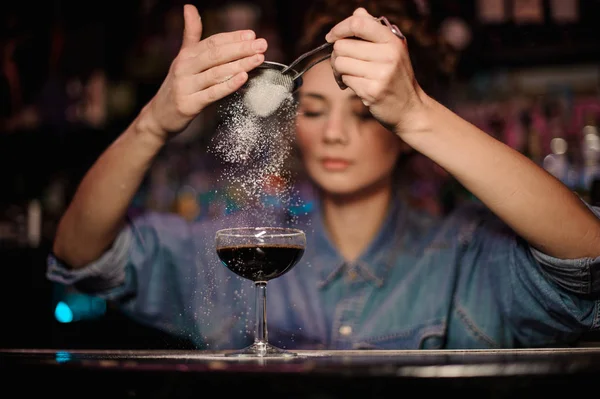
(168, 219)
(149, 218)
(468, 213)
(459, 225)
(166, 226)
(421, 224)
(473, 220)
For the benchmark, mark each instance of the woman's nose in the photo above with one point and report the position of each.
(337, 129)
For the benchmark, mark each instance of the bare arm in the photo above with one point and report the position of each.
(535, 204)
(96, 213)
(203, 72)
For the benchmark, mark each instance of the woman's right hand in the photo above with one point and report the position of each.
(203, 72)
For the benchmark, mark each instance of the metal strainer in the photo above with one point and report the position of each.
(291, 79)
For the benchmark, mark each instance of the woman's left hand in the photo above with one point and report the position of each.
(378, 69)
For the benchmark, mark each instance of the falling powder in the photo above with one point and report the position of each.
(254, 140)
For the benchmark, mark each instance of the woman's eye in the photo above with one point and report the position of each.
(311, 114)
(364, 115)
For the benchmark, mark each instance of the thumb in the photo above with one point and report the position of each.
(362, 12)
(192, 30)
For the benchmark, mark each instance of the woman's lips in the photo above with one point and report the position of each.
(335, 164)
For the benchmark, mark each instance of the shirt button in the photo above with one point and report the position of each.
(345, 330)
(352, 275)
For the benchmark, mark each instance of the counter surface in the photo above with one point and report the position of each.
(358, 373)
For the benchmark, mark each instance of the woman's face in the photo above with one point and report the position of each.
(344, 149)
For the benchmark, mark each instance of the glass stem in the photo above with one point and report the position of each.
(261, 336)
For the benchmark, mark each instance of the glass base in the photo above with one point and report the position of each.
(260, 350)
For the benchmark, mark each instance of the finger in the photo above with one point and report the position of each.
(218, 55)
(220, 39)
(361, 50)
(360, 87)
(354, 67)
(219, 91)
(336, 75)
(362, 27)
(225, 72)
(192, 29)
(229, 52)
(361, 12)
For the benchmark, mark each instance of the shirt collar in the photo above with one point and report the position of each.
(374, 264)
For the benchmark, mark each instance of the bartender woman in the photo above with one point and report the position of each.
(517, 269)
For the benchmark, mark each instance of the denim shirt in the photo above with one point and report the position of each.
(464, 281)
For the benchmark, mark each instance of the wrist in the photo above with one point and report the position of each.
(418, 117)
(147, 128)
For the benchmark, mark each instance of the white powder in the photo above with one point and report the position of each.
(267, 92)
(255, 178)
(253, 141)
(255, 149)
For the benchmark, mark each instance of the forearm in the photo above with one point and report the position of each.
(534, 203)
(97, 211)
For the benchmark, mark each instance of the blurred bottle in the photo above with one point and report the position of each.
(532, 146)
(590, 153)
(557, 162)
(34, 223)
(583, 162)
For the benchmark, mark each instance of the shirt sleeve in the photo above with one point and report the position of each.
(104, 277)
(162, 271)
(503, 275)
(149, 272)
(580, 275)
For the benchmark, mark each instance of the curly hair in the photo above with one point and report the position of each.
(433, 59)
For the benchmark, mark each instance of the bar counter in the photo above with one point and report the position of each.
(560, 372)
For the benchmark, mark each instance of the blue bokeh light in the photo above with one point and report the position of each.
(75, 307)
(63, 313)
